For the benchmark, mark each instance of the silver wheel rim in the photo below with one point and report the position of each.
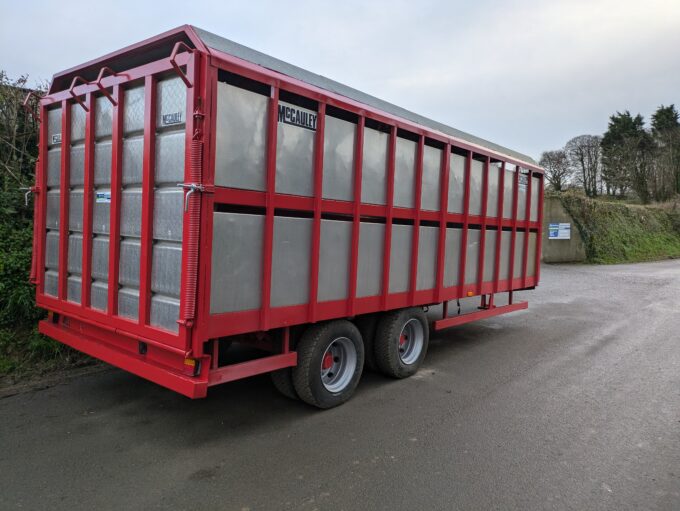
(411, 341)
(338, 364)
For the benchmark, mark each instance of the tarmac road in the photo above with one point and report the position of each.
(572, 404)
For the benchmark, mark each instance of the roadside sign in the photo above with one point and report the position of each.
(561, 231)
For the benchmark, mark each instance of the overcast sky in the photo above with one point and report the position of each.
(528, 75)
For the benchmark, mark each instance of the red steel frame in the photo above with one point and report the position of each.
(166, 355)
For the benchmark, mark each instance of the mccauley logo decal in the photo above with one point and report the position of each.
(296, 117)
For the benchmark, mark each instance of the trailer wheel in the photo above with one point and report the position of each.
(283, 382)
(367, 325)
(401, 342)
(330, 361)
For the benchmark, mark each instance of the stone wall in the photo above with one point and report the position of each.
(560, 251)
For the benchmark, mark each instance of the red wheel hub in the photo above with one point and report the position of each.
(402, 339)
(327, 361)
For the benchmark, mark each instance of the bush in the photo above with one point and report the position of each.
(618, 233)
(22, 348)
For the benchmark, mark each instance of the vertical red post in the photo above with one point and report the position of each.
(466, 220)
(207, 204)
(416, 222)
(356, 216)
(64, 189)
(513, 236)
(87, 202)
(499, 232)
(443, 212)
(272, 125)
(527, 223)
(286, 340)
(191, 220)
(40, 221)
(318, 196)
(389, 213)
(482, 233)
(116, 185)
(148, 180)
(539, 228)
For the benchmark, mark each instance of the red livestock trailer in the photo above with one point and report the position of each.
(192, 193)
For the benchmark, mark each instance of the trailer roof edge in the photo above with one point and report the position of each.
(204, 40)
(248, 54)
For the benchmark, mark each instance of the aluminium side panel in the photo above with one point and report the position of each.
(338, 159)
(291, 261)
(535, 192)
(522, 195)
(519, 255)
(75, 209)
(508, 192)
(295, 152)
(472, 256)
(428, 242)
(131, 203)
(241, 137)
(374, 166)
(432, 163)
(236, 276)
(369, 273)
(456, 183)
(454, 238)
(490, 238)
(51, 268)
(504, 267)
(400, 258)
(334, 257)
(492, 196)
(405, 172)
(168, 203)
(531, 262)
(476, 187)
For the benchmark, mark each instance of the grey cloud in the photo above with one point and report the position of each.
(525, 74)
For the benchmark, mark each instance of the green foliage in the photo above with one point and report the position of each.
(626, 154)
(22, 348)
(616, 233)
(665, 119)
(17, 296)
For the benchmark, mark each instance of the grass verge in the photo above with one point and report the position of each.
(623, 233)
(25, 353)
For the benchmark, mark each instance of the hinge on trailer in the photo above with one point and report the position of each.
(198, 112)
(29, 190)
(198, 119)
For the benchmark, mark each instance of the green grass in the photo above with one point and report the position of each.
(25, 352)
(615, 232)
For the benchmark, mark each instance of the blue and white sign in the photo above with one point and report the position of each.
(103, 197)
(561, 231)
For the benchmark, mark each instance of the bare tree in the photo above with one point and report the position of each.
(583, 153)
(18, 135)
(558, 172)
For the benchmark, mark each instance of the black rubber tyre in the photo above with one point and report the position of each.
(283, 382)
(311, 348)
(367, 325)
(387, 342)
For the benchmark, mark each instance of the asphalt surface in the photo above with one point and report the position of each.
(573, 404)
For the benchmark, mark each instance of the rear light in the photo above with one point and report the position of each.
(191, 366)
